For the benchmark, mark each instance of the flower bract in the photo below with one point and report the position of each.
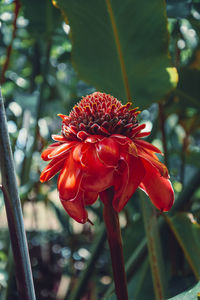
(100, 147)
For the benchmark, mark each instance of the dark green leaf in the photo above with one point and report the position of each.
(121, 47)
(191, 294)
(187, 233)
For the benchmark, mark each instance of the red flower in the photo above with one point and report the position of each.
(100, 147)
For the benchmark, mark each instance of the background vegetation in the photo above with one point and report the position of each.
(130, 49)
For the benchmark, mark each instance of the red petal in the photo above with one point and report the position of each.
(108, 151)
(75, 208)
(91, 160)
(62, 149)
(127, 179)
(132, 149)
(121, 139)
(78, 152)
(126, 144)
(142, 134)
(137, 130)
(69, 179)
(158, 188)
(99, 182)
(147, 145)
(153, 159)
(97, 176)
(58, 138)
(93, 139)
(52, 168)
(90, 197)
(47, 151)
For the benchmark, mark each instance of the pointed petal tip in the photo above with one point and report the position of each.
(62, 116)
(75, 210)
(42, 178)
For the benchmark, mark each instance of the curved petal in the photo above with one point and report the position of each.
(78, 152)
(153, 159)
(57, 149)
(69, 179)
(47, 151)
(61, 149)
(99, 182)
(126, 180)
(91, 160)
(136, 130)
(121, 139)
(108, 151)
(126, 144)
(96, 175)
(158, 188)
(52, 168)
(142, 134)
(75, 208)
(58, 138)
(90, 197)
(147, 145)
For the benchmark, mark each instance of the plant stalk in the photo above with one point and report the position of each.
(115, 243)
(14, 213)
(163, 132)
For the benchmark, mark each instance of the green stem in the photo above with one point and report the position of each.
(163, 132)
(14, 214)
(151, 225)
(9, 49)
(115, 243)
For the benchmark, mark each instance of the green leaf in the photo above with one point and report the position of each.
(121, 47)
(191, 294)
(188, 87)
(187, 233)
(43, 17)
(141, 286)
(154, 247)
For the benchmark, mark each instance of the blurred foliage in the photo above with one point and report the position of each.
(40, 82)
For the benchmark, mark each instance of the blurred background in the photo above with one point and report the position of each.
(46, 66)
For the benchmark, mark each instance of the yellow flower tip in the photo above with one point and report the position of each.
(61, 116)
(54, 3)
(137, 113)
(128, 104)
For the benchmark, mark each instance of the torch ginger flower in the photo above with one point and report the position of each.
(101, 147)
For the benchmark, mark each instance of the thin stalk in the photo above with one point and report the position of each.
(9, 49)
(183, 158)
(115, 243)
(163, 132)
(14, 213)
(151, 225)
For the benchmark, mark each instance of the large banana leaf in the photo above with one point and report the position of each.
(121, 47)
(187, 233)
(192, 294)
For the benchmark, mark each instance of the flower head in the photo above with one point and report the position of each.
(101, 147)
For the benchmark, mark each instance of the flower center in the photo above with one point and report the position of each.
(102, 114)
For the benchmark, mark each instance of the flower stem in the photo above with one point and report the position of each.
(115, 243)
(9, 188)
